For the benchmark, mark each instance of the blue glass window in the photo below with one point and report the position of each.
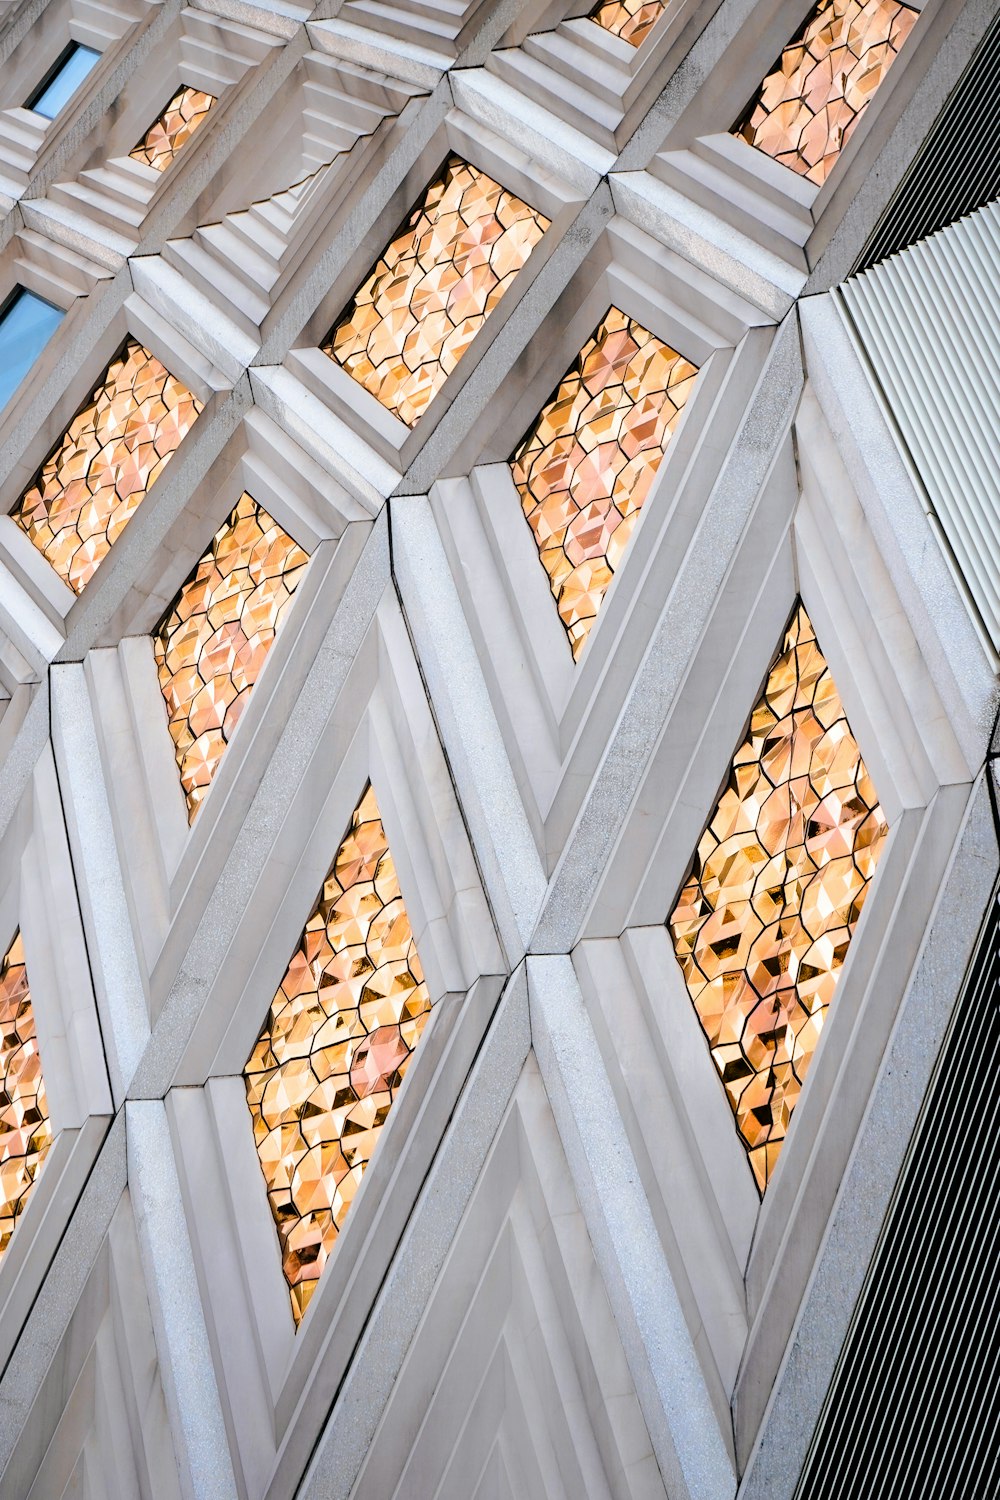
(27, 323)
(64, 80)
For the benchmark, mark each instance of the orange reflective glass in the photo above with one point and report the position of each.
(632, 20)
(25, 1132)
(805, 110)
(766, 916)
(433, 289)
(93, 481)
(186, 113)
(585, 468)
(334, 1049)
(211, 644)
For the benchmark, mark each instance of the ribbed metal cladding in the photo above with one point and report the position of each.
(912, 1408)
(957, 169)
(928, 322)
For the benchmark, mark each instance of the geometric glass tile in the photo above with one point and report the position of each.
(25, 1133)
(169, 131)
(585, 468)
(211, 644)
(809, 104)
(434, 287)
(333, 1050)
(97, 474)
(632, 20)
(764, 920)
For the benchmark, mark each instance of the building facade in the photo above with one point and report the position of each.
(499, 630)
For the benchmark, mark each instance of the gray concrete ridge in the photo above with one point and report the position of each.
(547, 1272)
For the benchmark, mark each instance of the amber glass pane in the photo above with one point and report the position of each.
(434, 288)
(806, 108)
(629, 19)
(764, 921)
(336, 1043)
(585, 467)
(91, 484)
(186, 111)
(25, 1134)
(211, 644)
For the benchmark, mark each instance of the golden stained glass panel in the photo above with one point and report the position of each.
(808, 105)
(212, 642)
(632, 20)
(334, 1048)
(763, 924)
(187, 110)
(434, 288)
(91, 484)
(25, 1133)
(585, 468)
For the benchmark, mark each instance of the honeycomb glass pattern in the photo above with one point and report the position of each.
(25, 1133)
(91, 484)
(334, 1048)
(632, 20)
(434, 288)
(586, 466)
(211, 644)
(808, 105)
(763, 924)
(186, 111)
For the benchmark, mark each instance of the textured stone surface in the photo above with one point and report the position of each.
(428, 1239)
(510, 1306)
(178, 1318)
(692, 1452)
(666, 662)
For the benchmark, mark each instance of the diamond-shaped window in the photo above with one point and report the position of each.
(809, 104)
(213, 641)
(94, 479)
(333, 1050)
(433, 289)
(766, 915)
(25, 1133)
(186, 113)
(585, 468)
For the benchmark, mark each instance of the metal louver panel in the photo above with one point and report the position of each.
(957, 169)
(928, 322)
(911, 1412)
